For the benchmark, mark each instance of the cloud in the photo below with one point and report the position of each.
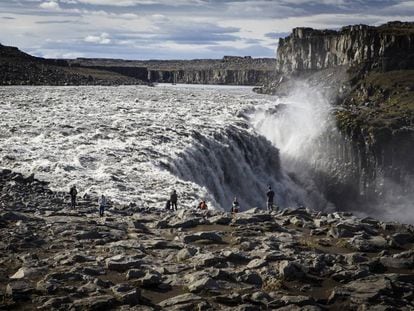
(50, 5)
(59, 22)
(276, 35)
(103, 38)
(178, 29)
(127, 3)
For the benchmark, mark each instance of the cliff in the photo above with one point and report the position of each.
(389, 47)
(231, 70)
(368, 75)
(19, 68)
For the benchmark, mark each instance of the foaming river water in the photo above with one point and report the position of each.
(138, 143)
(135, 143)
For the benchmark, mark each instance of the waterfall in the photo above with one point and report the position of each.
(236, 161)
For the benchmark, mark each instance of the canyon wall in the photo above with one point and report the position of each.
(231, 70)
(368, 73)
(389, 47)
(212, 76)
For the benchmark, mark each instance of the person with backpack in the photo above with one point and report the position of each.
(270, 194)
(174, 199)
(102, 205)
(73, 192)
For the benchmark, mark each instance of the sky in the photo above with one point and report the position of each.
(177, 29)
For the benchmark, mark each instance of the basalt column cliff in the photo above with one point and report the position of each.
(368, 75)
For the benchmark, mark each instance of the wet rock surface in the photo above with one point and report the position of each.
(57, 258)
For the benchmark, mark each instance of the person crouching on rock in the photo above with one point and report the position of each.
(102, 204)
(202, 205)
(235, 206)
(174, 199)
(73, 192)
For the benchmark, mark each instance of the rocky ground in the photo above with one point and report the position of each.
(55, 257)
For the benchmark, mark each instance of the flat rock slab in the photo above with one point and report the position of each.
(203, 236)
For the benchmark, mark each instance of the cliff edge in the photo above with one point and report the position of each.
(367, 73)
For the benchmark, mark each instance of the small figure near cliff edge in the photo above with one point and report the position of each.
(102, 204)
(168, 205)
(174, 199)
(235, 206)
(73, 192)
(270, 194)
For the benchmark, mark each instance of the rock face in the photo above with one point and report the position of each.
(19, 68)
(230, 70)
(390, 47)
(252, 262)
(367, 74)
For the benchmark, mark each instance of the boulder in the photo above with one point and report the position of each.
(180, 300)
(27, 272)
(220, 220)
(134, 274)
(203, 236)
(368, 244)
(297, 300)
(151, 279)
(19, 290)
(250, 277)
(122, 263)
(103, 302)
(205, 284)
(365, 290)
(186, 253)
(126, 294)
(290, 270)
(256, 263)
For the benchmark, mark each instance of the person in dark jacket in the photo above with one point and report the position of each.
(174, 199)
(168, 205)
(270, 194)
(73, 192)
(102, 205)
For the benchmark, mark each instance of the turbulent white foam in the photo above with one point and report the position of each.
(113, 139)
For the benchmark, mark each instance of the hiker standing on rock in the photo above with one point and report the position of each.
(235, 206)
(102, 204)
(174, 199)
(73, 192)
(270, 194)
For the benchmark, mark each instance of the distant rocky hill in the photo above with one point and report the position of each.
(368, 75)
(19, 68)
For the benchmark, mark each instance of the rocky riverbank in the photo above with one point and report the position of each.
(54, 257)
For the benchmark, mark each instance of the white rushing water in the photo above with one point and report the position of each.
(137, 143)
